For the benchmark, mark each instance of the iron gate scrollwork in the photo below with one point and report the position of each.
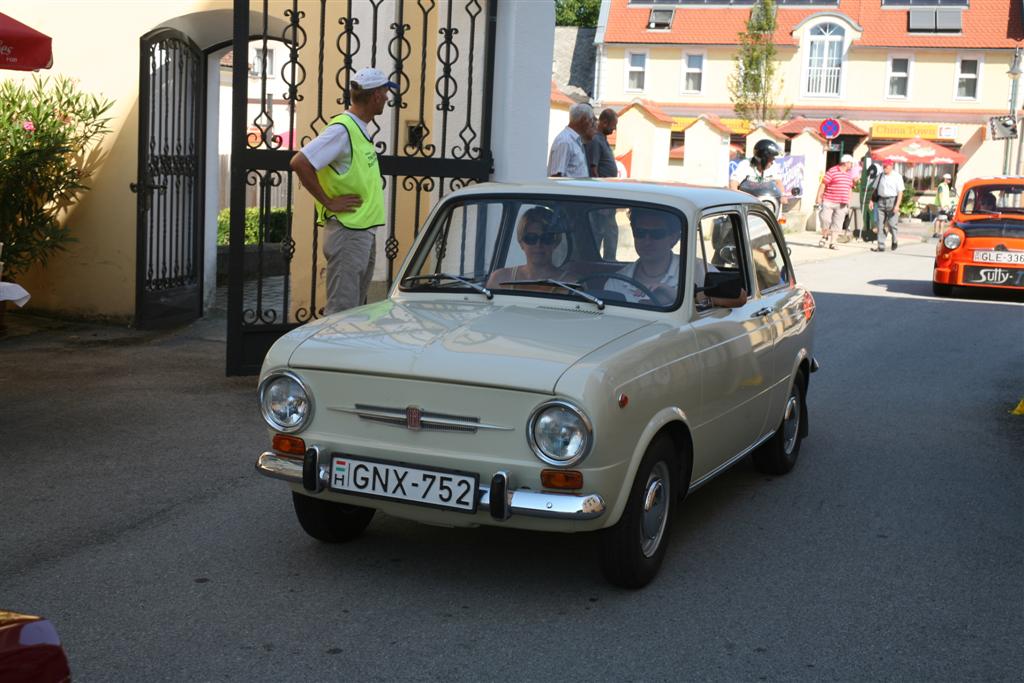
(433, 138)
(169, 243)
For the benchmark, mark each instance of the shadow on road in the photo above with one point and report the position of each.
(924, 288)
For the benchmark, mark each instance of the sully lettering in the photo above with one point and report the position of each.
(993, 276)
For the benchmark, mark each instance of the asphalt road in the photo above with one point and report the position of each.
(130, 515)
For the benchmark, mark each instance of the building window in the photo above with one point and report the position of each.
(825, 60)
(693, 72)
(660, 20)
(899, 77)
(967, 71)
(637, 65)
(262, 62)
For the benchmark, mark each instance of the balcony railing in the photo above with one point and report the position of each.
(823, 80)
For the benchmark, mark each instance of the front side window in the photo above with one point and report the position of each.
(620, 254)
(718, 270)
(825, 60)
(637, 66)
(694, 73)
(899, 76)
(967, 79)
(767, 253)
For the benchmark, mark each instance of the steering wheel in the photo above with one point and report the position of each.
(625, 278)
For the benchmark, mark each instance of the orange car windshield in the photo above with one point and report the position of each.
(982, 201)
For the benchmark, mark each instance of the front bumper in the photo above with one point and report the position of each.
(522, 502)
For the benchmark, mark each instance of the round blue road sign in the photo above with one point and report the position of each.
(829, 129)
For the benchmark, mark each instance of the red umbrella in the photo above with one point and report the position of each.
(918, 151)
(23, 48)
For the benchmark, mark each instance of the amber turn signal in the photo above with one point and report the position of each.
(561, 479)
(293, 445)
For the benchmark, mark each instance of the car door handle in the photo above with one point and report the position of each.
(762, 312)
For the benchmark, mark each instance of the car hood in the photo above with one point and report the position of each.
(488, 344)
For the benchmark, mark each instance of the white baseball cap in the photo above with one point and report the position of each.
(846, 159)
(946, 176)
(370, 78)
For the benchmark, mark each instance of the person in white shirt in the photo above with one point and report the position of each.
(568, 156)
(889, 193)
(760, 168)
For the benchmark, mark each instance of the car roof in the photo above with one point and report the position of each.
(995, 180)
(690, 197)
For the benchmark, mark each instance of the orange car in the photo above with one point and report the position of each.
(984, 247)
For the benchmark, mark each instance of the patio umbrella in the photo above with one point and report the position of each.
(918, 151)
(23, 48)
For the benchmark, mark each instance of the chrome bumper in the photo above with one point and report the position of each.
(524, 502)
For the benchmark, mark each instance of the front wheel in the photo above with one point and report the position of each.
(778, 455)
(632, 550)
(328, 521)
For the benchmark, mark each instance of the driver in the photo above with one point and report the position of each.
(657, 267)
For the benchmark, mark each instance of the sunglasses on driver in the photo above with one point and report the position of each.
(533, 238)
(653, 233)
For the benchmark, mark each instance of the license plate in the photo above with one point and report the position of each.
(999, 277)
(418, 485)
(999, 256)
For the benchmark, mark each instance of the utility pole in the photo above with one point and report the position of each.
(1014, 74)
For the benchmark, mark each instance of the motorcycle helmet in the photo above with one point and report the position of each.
(765, 151)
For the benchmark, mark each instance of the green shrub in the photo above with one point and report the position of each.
(277, 226)
(48, 148)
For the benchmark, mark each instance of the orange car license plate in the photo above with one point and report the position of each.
(992, 256)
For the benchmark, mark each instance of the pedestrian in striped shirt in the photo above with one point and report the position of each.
(833, 200)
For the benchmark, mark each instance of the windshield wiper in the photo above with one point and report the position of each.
(435, 277)
(564, 285)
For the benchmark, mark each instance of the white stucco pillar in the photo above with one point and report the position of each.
(524, 50)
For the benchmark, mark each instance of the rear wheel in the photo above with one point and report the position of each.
(328, 521)
(778, 455)
(632, 550)
(941, 290)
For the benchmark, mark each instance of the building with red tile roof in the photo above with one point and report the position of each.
(887, 70)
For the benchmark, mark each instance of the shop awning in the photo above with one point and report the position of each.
(918, 151)
(23, 48)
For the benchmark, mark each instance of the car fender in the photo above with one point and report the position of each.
(660, 420)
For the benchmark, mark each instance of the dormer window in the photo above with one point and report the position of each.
(660, 19)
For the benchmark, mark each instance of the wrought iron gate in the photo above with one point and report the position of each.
(433, 138)
(169, 244)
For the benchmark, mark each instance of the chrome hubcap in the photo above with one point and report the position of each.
(791, 422)
(655, 509)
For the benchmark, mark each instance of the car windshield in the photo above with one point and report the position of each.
(986, 200)
(602, 253)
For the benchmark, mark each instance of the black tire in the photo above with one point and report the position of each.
(778, 455)
(328, 521)
(632, 550)
(941, 290)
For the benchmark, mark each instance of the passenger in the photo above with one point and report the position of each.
(657, 267)
(538, 240)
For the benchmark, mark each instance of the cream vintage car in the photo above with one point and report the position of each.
(569, 356)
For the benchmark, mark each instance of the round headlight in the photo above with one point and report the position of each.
(285, 402)
(952, 240)
(559, 433)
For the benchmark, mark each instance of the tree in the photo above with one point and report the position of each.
(582, 13)
(753, 85)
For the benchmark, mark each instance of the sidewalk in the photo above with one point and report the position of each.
(803, 245)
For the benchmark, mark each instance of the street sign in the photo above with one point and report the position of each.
(829, 129)
(1003, 127)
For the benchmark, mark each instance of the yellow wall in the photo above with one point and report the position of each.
(932, 78)
(649, 139)
(97, 43)
(707, 155)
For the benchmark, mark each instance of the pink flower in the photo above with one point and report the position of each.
(28, 125)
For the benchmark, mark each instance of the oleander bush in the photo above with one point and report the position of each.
(49, 147)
